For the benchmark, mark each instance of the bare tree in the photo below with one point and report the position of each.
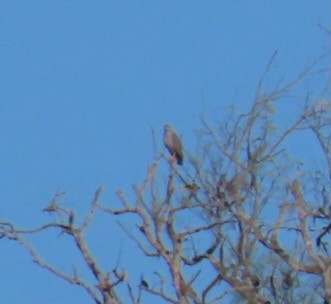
(244, 220)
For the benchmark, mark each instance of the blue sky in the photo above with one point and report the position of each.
(83, 82)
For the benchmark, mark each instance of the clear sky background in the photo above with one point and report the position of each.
(83, 82)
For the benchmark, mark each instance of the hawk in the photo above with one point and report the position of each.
(173, 143)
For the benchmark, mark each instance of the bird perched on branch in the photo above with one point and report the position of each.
(173, 143)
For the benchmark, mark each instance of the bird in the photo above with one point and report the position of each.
(173, 143)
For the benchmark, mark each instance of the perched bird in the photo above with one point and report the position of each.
(173, 143)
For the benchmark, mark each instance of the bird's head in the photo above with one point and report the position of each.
(167, 127)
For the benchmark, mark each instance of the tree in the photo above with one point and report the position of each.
(244, 220)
